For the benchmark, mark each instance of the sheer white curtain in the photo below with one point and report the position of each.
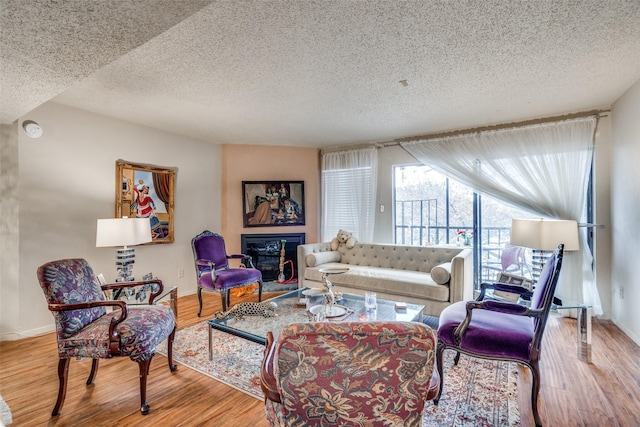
(543, 169)
(349, 181)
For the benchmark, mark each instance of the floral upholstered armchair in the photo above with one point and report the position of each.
(349, 373)
(84, 328)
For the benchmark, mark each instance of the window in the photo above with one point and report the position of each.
(339, 195)
(348, 193)
(431, 209)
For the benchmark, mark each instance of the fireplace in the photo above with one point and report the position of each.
(266, 252)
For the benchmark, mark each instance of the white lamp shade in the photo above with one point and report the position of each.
(122, 232)
(545, 234)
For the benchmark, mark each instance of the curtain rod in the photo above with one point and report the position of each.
(513, 125)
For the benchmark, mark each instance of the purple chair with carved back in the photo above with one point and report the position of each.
(213, 271)
(349, 373)
(501, 330)
(85, 329)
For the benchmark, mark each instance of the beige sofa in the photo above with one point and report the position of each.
(433, 276)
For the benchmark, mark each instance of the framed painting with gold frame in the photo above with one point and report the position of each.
(147, 191)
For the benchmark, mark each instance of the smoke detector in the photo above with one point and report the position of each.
(32, 129)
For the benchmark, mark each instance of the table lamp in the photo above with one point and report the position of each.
(543, 236)
(123, 232)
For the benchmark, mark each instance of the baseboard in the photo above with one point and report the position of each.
(14, 336)
(627, 332)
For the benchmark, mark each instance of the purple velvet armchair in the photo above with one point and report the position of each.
(213, 271)
(500, 330)
(349, 373)
(85, 329)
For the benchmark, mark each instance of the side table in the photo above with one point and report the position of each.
(585, 313)
(170, 292)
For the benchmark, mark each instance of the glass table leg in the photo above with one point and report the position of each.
(584, 334)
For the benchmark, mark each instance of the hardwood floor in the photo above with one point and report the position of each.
(605, 393)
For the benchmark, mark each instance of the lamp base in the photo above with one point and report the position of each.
(125, 258)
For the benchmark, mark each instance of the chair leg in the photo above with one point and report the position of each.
(94, 371)
(172, 366)
(200, 300)
(224, 294)
(259, 290)
(535, 390)
(63, 374)
(439, 352)
(144, 373)
(457, 358)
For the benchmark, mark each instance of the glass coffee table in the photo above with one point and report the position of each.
(255, 328)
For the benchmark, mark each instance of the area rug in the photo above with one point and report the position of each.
(236, 361)
(476, 392)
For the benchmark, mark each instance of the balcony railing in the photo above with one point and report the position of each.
(416, 225)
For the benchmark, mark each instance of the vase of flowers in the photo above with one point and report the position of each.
(465, 236)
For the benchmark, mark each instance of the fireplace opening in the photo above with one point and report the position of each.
(268, 256)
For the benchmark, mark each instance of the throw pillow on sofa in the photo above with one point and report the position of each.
(441, 274)
(322, 258)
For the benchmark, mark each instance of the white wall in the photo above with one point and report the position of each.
(66, 181)
(625, 209)
(388, 157)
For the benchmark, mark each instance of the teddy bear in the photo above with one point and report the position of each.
(343, 238)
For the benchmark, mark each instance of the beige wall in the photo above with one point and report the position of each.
(625, 208)
(9, 225)
(265, 163)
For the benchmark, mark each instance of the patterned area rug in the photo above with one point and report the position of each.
(476, 392)
(236, 361)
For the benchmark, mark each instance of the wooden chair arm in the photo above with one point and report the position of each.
(114, 337)
(84, 305)
(267, 377)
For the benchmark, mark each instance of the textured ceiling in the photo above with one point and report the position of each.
(318, 73)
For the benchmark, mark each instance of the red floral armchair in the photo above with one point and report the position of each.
(350, 373)
(84, 328)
